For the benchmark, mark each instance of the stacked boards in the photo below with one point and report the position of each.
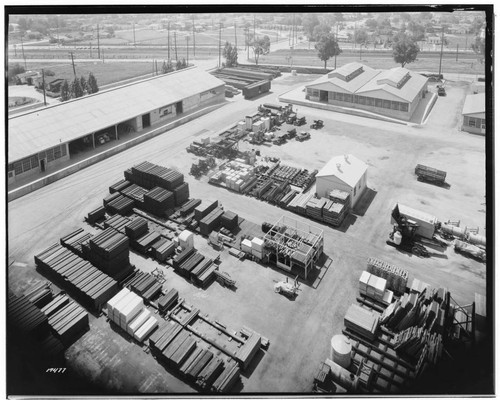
(397, 278)
(362, 321)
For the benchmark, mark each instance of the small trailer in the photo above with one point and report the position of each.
(430, 174)
(300, 121)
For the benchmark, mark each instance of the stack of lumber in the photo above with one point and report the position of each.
(149, 175)
(190, 360)
(163, 249)
(70, 271)
(166, 301)
(202, 279)
(339, 196)
(229, 220)
(25, 318)
(159, 340)
(66, 318)
(182, 256)
(177, 352)
(414, 341)
(372, 286)
(287, 198)
(200, 269)
(335, 213)
(187, 266)
(117, 222)
(362, 321)
(227, 378)
(204, 357)
(314, 208)
(120, 205)
(211, 222)
(181, 194)
(158, 200)
(299, 202)
(137, 227)
(145, 285)
(110, 198)
(143, 243)
(119, 186)
(209, 373)
(74, 241)
(189, 207)
(96, 215)
(109, 251)
(397, 278)
(202, 210)
(40, 294)
(247, 352)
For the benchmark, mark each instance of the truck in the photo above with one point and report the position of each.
(429, 174)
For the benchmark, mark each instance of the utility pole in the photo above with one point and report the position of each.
(187, 50)
(247, 44)
(441, 55)
(57, 28)
(133, 27)
(457, 53)
(73, 63)
(98, 47)
(220, 33)
(194, 41)
(293, 29)
(235, 37)
(254, 27)
(90, 47)
(15, 51)
(336, 39)
(175, 45)
(22, 48)
(103, 56)
(43, 85)
(168, 40)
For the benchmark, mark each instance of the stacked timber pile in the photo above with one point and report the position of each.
(375, 287)
(144, 243)
(362, 321)
(136, 228)
(287, 198)
(168, 300)
(419, 343)
(66, 318)
(119, 205)
(145, 285)
(189, 207)
(229, 220)
(96, 215)
(194, 367)
(299, 202)
(40, 294)
(136, 193)
(163, 249)
(314, 208)
(110, 198)
(227, 378)
(75, 240)
(211, 222)
(210, 373)
(189, 265)
(119, 186)
(339, 196)
(109, 251)
(182, 256)
(177, 352)
(126, 310)
(25, 318)
(397, 278)
(205, 208)
(158, 200)
(117, 222)
(203, 273)
(335, 214)
(149, 175)
(181, 194)
(159, 340)
(93, 286)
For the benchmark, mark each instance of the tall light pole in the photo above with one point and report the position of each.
(220, 33)
(187, 50)
(441, 55)
(168, 39)
(194, 40)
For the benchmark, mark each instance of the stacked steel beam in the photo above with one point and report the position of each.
(158, 200)
(75, 240)
(25, 318)
(397, 278)
(93, 286)
(211, 222)
(189, 207)
(136, 228)
(117, 222)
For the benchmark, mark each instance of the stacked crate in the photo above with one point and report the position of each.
(168, 300)
(314, 208)
(143, 244)
(374, 287)
(158, 200)
(119, 186)
(211, 222)
(163, 249)
(25, 318)
(117, 222)
(189, 207)
(257, 248)
(78, 275)
(96, 215)
(136, 228)
(229, 220)
(335, 214)
(362, 321)
(75, 240)
(397, 278)
(120, 205)
(66, 318)
(181, 194)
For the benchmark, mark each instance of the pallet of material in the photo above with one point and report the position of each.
(158, 200)
(120, 205)
(163, 249)
(152, 292)
(175, 344)
(181, 194)
(191, 263)
(189, 207)
(430, 174)
(287, 198)
(182, 256)
(314, 208)
(335, 213)
(96, 215)
(397, 278)
(229, 220)
(190, 360)
(205, 208)
(119, 186)
(25, 318)
(196, 367)
(108, 199)
(138, 321)
(144, 243)
(143, 285)
(202, 267)
(227, 378)
(74, 241)
(210, 373)
(206, 277)
(339, 196)
(181, 355)
(362, 321)
(136, 228)
(163, 336)
(117, 222)
(166, 301)
(211, 222)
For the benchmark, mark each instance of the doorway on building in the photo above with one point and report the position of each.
(178, 107)
(323, 96)
(42, 165)
(146, 120)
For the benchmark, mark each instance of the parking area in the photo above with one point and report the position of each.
(299, 330)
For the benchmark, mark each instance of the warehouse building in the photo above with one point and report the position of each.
(474, 114)
(394, 93)
(46, 139)
(346, 173)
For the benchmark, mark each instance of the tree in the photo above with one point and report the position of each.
(76, 88)
(110, 30)
(327, 47)
(183, 63)
(371, 23)
(361, 36)
(260, 46)
(92, 84)
(83, 83)
(65, 94)
(167, 67)
(230, 53)
(478, 46)
(320, 30)
(309, 22)
(178, 65)
(404, 50)
(417, 30)
(14, 69)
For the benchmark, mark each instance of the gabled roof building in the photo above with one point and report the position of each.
(474, 114)
(395, 92)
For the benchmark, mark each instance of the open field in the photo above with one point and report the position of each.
(299, 330)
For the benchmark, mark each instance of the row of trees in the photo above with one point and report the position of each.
(78, 87)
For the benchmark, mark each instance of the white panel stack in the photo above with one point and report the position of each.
(257, 247)
(246, 246)
(241, 126)
(375, 287)
(186, 239)
(363, 282)
(267, 123)
(138, 321)
(113, 301)
(146, 329)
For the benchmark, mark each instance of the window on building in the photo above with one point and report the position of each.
(395, 105)
(11, 167)
(472, 122)
(387, 104)
(315, 93)
(339, 96)
(18, 167)
(331, 95)
(378, 103)
(348, 98)
(26, 164)
(355, 99)
(403, 107)
(362, 99)
(34, 161)
(50, 155)
(370, 101)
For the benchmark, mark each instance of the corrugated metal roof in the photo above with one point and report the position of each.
(347, 168)
(367, 82)
(46, 128)
(474, 104)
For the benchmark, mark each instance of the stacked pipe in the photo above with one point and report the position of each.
(397, 278)
(66, 318)
(40, 294)
(93, 286)
(168, 300)
(136, 228)
(211, 222)
(158, 201)
(74, 241)
(189, 207)
(117, 222)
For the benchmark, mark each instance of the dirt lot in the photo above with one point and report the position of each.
(299, 330)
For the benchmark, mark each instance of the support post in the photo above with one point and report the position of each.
(116, 132)
(93, 139)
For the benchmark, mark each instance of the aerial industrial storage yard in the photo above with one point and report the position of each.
(312, 232)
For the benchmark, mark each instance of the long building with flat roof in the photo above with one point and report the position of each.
(395, 93)
(45, 138)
